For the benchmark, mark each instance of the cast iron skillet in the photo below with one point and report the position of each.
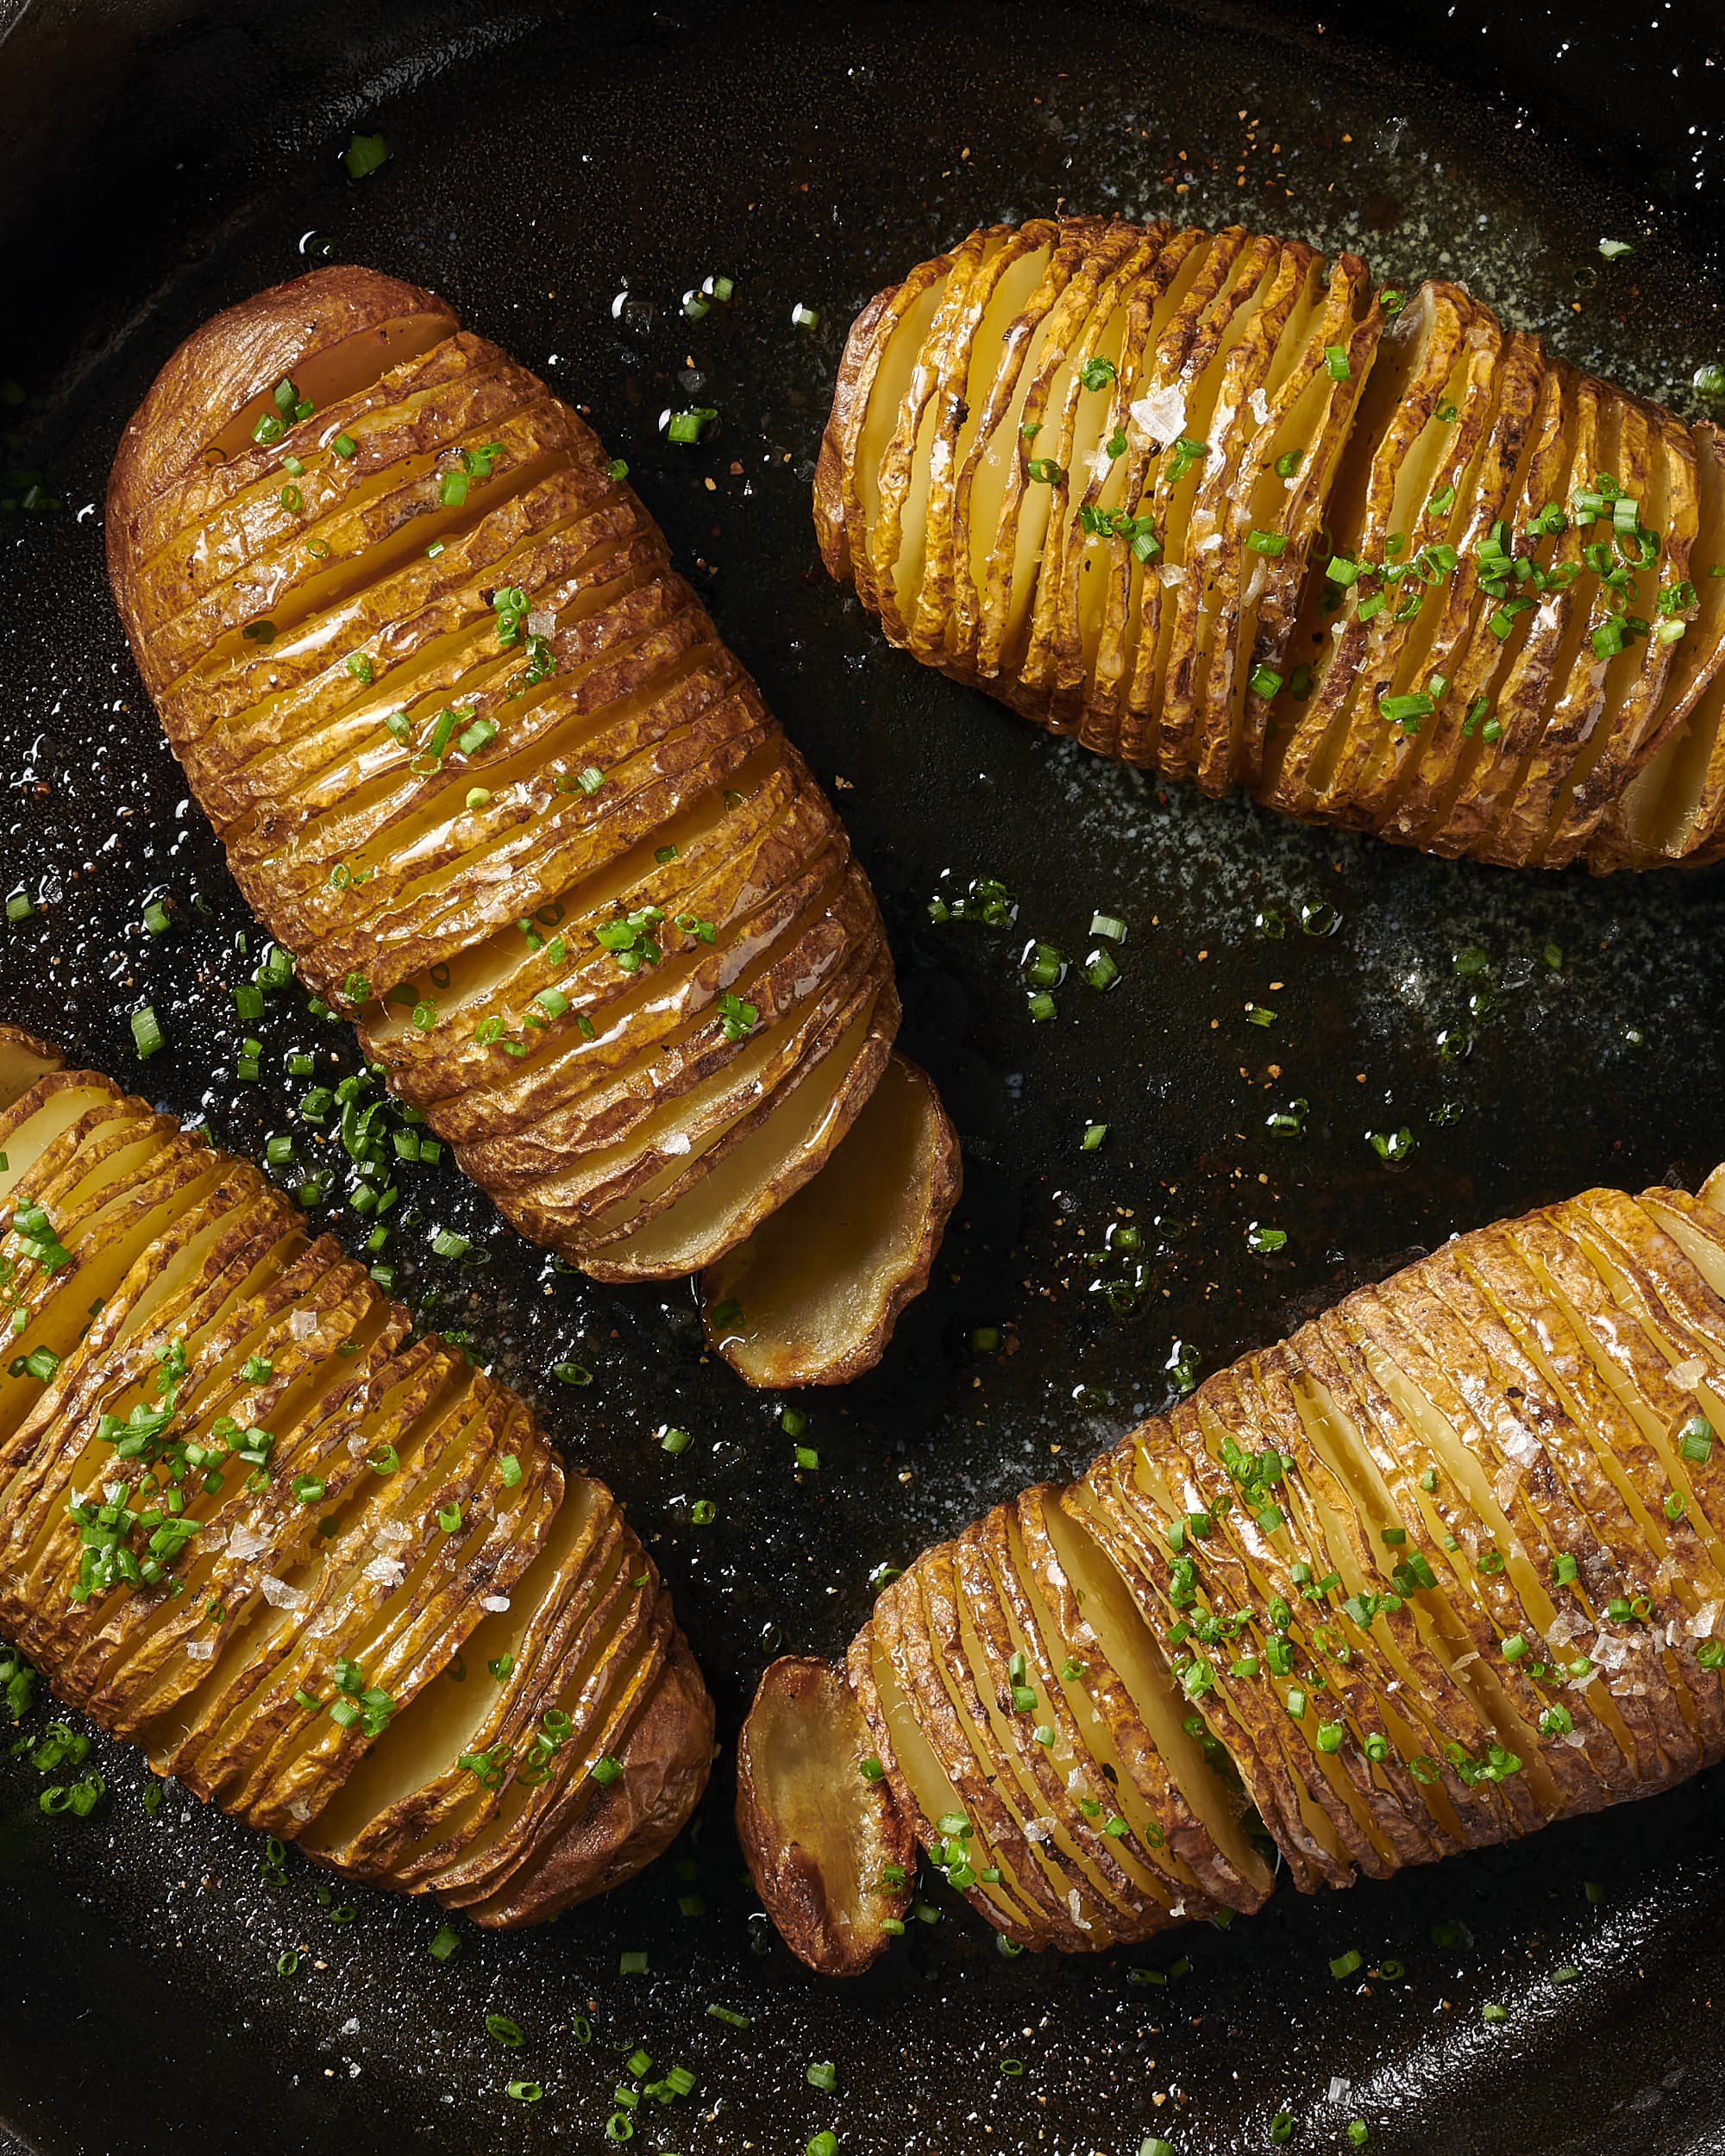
(563, 176)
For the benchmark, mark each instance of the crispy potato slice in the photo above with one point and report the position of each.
(1124, 1698)
(829, 1852)
(812, 1295)
(443, 685)
(248, 1522)
(932, 1771)
(1512, 660)
(1028, 1758)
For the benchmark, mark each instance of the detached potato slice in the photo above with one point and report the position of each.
(1447, 1565)
(481, 764)
(811, 1297)
(830, 1853)
(247, 1521)
(1203, 500)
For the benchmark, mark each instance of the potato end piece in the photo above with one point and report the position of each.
(828, 472)
(23, 1059)
(820, 1284)
(1712, 1192)
(816, 1833)
(666, 1763)
(239, 352)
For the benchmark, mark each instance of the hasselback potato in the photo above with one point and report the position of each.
(330, 1576)
(1217, 507)
(1446, 1565)
(483, 767)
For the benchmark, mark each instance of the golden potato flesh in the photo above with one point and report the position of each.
(831, 1854)
(481, 764)
(1447, 1565)
(331, 1577)
(1209, 502)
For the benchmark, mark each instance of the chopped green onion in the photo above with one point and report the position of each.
(365, 154)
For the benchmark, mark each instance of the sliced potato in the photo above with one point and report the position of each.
(1445, 1566)
(1103, 470)
(247, 1521)
(481, 764)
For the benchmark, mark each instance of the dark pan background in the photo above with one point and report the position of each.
(159, 161)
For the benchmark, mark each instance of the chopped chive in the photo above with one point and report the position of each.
(365, 154)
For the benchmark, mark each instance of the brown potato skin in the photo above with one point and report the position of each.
(105, 1656)
(1476, 1332)
(1562, 781)
(368, 858)
(666, 1763)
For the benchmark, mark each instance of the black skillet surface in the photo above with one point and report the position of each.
(541, 168)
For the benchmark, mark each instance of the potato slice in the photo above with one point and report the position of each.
(771, 1153)
(1360, 1646)
(994, 1835)
(999, 479)
(1670, 808)
(1124, 1698)
(812, 1295)
(1386, 1406)
(1027, 1759)
(358, 1510)
(566, 1644)
(829, 1852)
(938, 1783)
(1132, 1509)
(445, 681)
